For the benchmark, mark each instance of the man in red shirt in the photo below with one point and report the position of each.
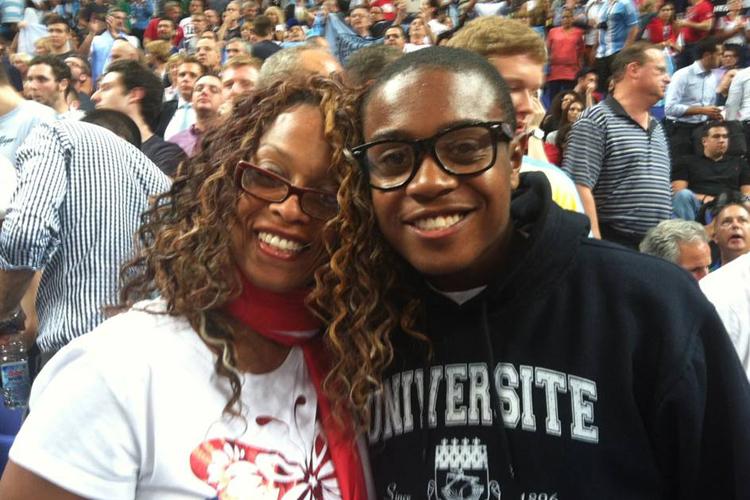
(695, 27)
(173, 11)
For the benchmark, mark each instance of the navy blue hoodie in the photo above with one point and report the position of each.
(613, 375)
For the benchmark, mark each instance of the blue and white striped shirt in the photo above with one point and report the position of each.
(11, 11)
(626, 167)
(81, 191)
(620, 16)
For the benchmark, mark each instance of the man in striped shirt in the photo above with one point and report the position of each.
(618, 155)
(81, 191)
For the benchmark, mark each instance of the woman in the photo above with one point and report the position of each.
(492, 348)
(43, 46)
(555, 141)
(557, 110)
(211, 390)
(158, 53)
(419, 35)
(663, 29)
(171, 71)
(276, 15)
(565, 49)
(731, 29)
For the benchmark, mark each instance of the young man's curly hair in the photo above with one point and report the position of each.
(185, 254)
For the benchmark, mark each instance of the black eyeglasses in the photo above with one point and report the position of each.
(466, 149)
(267, 186)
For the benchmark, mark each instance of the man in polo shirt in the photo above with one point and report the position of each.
(617, 152)
(697, 179)
(691, 97)
(618, 28)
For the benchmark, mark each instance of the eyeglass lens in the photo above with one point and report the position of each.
(269, 188)
(461, 151)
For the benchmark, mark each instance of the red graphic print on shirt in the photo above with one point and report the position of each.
(237, 470)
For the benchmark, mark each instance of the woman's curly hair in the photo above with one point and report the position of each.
(365, 293)
(185, 253)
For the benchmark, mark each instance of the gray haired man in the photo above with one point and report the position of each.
(683, 242)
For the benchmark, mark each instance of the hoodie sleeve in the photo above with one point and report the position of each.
(701, 434)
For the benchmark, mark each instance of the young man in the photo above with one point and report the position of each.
(48, 82)
(698, 179)
(263, 47)
(518, 53)
(59, 36)
(207, 99)
(131, 88)
(239, 76)
(178, 114)
(691, 97)
(517, 356)
(78, 229)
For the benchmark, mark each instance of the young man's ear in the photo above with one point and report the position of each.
(517, 149)
(136, 94)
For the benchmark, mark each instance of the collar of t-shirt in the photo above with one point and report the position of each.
(462, 296)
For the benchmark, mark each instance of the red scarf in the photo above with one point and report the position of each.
(285, 319)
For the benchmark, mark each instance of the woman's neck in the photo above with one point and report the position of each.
(256, 353)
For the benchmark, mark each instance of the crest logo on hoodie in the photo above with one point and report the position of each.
(462, 472)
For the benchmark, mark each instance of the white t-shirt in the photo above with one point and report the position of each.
(134, 410)
(18, 123)
(728, 289)
(188, 29)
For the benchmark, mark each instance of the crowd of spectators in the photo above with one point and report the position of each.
(636, 111)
